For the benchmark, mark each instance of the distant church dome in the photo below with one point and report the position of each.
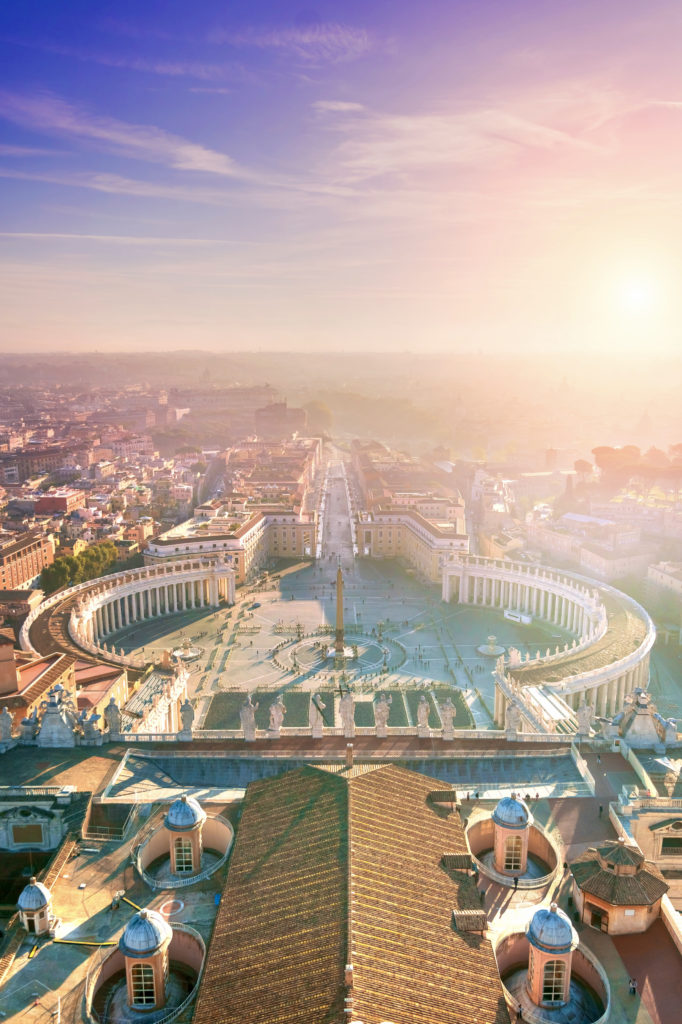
(184, 814)
(511, 812)
(34, 896)
(551, 931)
(146, 932)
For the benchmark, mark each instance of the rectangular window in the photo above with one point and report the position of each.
(671, 846)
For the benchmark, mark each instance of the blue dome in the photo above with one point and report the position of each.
(34, 896)
(551, 931)
(184, 814)
(146, 932)
(511, 812)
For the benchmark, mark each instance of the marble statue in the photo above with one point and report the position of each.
(91, 734)
(514, 656)
(187, 716)
(112, 716)
(29, 727)
(347, 712)
(247, 717)
(382, 709)
(6, 722)
(315, 717)
(512, 718)
(277, 713)
(423, 710)
(584, 716)
(447, 715)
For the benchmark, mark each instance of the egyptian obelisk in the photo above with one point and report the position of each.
(340, 644)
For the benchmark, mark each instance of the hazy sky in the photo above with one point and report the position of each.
(448, 174)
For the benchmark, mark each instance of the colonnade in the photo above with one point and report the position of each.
(530, 590)
(571, 604)
(153, 592)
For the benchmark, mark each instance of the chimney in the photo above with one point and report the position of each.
(349, 755)
(348, 973)
(9, 673)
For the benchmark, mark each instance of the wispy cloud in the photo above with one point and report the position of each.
(318, 43)
(206, 71)
(376, 145)
(135, 240)
(49, 114)
(116, 184)
(26, 151)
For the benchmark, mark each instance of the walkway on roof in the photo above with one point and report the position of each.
(654, 960)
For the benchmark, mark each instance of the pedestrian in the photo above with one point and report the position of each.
(601, 810)
(516, 882)
(519, 1013)
(633, 986)
(598, 758)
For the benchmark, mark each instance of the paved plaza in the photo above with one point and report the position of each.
(275, 639)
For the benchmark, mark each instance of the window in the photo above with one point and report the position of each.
(512, 854)
(27, 835)
(143, 985)
(553, 981)
(671, 846)
(183, 855)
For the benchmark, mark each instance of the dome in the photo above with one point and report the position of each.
(144, 934)
(184, 814)
(34, 897)
(511, 812)
(551, 931)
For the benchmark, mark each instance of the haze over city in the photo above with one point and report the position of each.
(340, 512)
(452, 176)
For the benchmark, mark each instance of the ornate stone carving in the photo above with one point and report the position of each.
(112, 716)
(448, 712)
(315, 717)
(382, 709)
(277, 713)
(247, 717)
(347, 712)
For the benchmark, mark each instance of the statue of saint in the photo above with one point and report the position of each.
(347, 712)
(512, 718)
(584, 716)
(447, 715)
(382, 709)
(6, 722)
(247, 717)
(277, 713)
(423, 710)
(315, 717)
(112, 716)
(187, 715)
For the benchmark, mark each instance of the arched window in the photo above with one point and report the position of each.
(183, 855)
(512, 854)
(553, 981)
(143, 985)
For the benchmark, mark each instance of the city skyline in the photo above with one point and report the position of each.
(457, 177)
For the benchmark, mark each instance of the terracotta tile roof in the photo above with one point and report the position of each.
(409, 964)
(279, 942)
(331, 868)
(639, 889)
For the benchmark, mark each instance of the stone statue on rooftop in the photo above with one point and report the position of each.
(6, 722)
(512, 718)
(315, 717)
(247, 717)
(382, 709)
(447, 715)
(277, 713)
(584, 716)
(112, 716)
(347, 712)
(423, 711)
(187, 716)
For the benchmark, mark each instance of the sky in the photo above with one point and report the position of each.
(448, 175)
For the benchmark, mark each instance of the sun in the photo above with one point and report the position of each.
(638, 296)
